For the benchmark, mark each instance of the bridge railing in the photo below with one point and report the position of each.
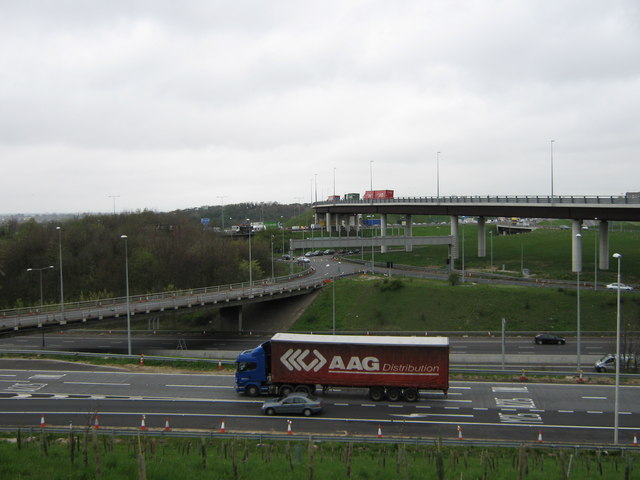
(537, 199)
(107, 303)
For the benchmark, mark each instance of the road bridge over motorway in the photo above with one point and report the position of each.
(230, 298)
(344, 214)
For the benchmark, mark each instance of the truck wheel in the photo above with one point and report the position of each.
(307, 412)
(252, 391)
(285, 390)
(269, 411)
(410, 394)
(376, 393)
(393, 394)
(304, 389)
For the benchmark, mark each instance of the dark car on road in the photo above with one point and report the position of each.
(548, 339)
(296, 403)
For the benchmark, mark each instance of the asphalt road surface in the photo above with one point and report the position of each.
(574, 413)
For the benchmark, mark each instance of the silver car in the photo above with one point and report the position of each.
(296, 403)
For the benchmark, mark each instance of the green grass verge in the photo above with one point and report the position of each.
(371, 303)
(85, 455)
(545, 253)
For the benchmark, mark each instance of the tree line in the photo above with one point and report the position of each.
(166, 251)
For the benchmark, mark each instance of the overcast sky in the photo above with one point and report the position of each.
(166, 104)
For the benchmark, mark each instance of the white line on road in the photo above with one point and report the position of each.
(565, 411)
(594, 411)
(200, 386)
(99, 383)
(595, 398)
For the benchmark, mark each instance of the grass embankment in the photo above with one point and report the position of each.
(369, 303)
(545, 253)
(85, 455)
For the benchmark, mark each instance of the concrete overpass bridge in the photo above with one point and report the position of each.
(228, 298)
(345, 214)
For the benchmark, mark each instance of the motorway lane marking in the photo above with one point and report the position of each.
(566, 411)
(200, 386)
(395, 406)
(368, 405)
(8, 375)
(452, 408)
(99, 383)
(46, 377)
(423, 415)
(480, 408)
(455, 400)
(594, 411)
(325, 418)
(595, 398)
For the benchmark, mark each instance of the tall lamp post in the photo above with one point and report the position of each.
(578, 270)
(617, 391)
(126, 276)
(250, 261)
(552, 170)
(438, 175)
(39, 270)
(59, 229)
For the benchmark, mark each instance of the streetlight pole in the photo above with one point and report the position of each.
(438, 175)
(272, 269)
(552, 170)
(39, 270)
(126, 276)
(222, 197)
(579, 269)
(617, 391)
(59, 229)
(250, 261)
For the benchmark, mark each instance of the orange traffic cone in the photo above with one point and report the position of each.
(523, 376)
(459, 432)
(540, 436)
(167, 428)
(42, 424)
(635, 440)
(142, 359)
(142, 424)
(96, 423)
(379, 431)
(289, 432)
(222, 427)
(580, 379)
(219, 365)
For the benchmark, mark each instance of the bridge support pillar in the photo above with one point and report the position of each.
(454, 234)
(603, 245)
(408, 232)
(576, 246)
(482, 244)
(327, 222)
(383, 231)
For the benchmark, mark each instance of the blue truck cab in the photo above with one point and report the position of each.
(252, 370)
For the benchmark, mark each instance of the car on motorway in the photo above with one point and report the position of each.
(296, 403)
(608, 362)
(303, 260)
(621, 286)
(548, 338)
